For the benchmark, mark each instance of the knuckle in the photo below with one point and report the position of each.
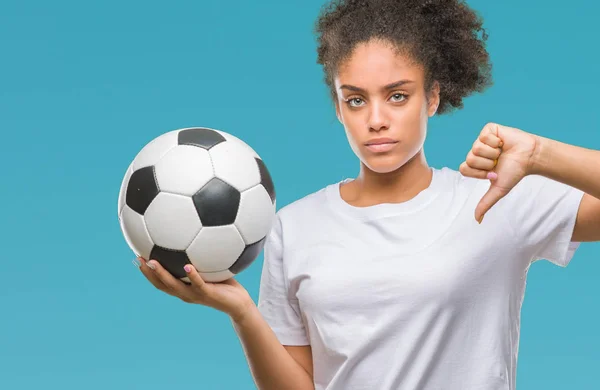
(186, 299)
(470, 159)
(164, 289)
(489, 128)
(156, 284)
(200, 291)
(198, 283)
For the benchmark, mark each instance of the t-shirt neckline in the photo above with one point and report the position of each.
(412, 205)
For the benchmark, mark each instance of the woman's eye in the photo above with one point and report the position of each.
(355, 102)
(398, 97)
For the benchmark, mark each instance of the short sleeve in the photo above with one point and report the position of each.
(279, 310)
(543, 213)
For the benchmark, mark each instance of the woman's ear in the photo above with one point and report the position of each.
(434, 99)
(337, 112)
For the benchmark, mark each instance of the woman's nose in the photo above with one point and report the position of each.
(378, 119)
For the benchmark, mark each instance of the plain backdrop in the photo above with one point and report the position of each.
(85, 85)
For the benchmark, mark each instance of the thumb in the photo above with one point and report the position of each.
(489, 199)
(195, 278)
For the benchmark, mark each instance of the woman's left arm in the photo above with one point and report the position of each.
(577, 167)
(505, 155)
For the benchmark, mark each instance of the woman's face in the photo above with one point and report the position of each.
(382, 103)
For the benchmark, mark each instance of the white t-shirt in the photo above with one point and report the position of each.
(413, 295)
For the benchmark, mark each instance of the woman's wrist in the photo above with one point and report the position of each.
(244, 315)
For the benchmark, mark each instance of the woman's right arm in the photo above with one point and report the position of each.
(273, 366)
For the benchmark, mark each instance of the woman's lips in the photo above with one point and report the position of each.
(381, 145)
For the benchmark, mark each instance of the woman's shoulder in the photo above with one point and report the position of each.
(316, 200)
(308, 204)
(451, 180)
(528, 189)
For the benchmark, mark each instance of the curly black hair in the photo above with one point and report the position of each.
(446, 37)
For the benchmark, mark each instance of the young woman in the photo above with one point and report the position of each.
(393, 280)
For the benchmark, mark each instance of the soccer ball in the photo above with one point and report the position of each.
(197, 196)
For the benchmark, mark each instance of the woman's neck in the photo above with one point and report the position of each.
(371, 188)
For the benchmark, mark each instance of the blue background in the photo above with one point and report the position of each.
(84, 85)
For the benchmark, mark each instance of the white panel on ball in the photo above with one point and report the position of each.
(233, 138)
(235, 165)
(172, 221)
(215, 248)
(184, 170)
(155, 150)
(135, 232)
(255, 215)
(124, 183)
(215, 277)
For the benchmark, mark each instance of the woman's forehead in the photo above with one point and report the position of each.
(376, 68)
(377, 57)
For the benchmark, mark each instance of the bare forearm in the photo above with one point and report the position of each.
(272, 367)
(572, 165)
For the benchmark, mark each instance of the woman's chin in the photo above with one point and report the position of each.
(383, 165)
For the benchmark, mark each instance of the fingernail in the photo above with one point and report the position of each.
(137, 263)
(492, 175)
(187, 268)
(151, 264)
(495, 162)
(480, 219)
(501, 144)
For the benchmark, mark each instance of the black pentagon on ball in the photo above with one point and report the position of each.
(249, 254)
(217, 203)
(171, 260)
(142, 188)
(265, 178)
(200, 137)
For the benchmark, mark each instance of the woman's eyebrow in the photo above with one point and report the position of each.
(393, 85)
